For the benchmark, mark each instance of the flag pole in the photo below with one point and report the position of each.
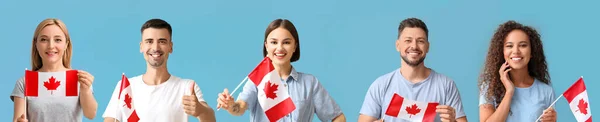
(25, 96)
(538, 119)
(236, 88)
(118, 97)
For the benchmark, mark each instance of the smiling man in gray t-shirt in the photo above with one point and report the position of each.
(413, 80)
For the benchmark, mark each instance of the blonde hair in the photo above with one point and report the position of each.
(36, 60)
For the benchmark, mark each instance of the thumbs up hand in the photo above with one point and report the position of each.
(191, 105)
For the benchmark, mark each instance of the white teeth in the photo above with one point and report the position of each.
(155, 55)
(413, 53)
(514, 59)
(281, 54)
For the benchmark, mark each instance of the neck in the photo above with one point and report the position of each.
(283, 70)
(156, 75)
(414, 74)
(52, 67)
(521, 77)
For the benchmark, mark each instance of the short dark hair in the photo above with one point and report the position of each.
(285, 24)
(158, 24)
(412, 23)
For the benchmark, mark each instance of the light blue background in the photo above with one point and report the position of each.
(346, 44)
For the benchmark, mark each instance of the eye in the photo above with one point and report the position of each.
(523, 45)
(58, 40)
(287, 42)
(408, 40)
(273, 42)
(162, 42)
(43, 40)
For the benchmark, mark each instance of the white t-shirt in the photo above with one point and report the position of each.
(155, 103)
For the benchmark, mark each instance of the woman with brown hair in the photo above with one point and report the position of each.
(51, 51)
(515, 83)
(282, 46)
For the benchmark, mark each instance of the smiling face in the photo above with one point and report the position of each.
(156, 45)
(51, 44)
(412, 45)
(280, 46)
(517, 49)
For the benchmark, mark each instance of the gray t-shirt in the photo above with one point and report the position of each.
(49, 108)
(435, 88)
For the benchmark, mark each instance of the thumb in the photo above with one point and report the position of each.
(226, 91)
(192, 91)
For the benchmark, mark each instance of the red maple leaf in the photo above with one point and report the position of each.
(413, 109)
(270, 89)
(51, 84)
(582, 107)
(127, 101)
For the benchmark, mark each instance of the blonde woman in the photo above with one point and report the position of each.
(51, 52)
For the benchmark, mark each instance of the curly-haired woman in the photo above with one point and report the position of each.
(515, 83)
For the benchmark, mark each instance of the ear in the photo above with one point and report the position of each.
(266, 47)
(428, 45)
(141, 51)
(398, 45)
(171, 46)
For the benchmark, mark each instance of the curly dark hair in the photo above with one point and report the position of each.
(537, 66)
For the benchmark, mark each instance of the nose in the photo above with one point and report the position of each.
(51, 44)
(154, 46)
(413, 44)
(279, 46)
(516, 50)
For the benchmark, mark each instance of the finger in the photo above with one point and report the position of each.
(503, 66)
(447, 116)
(445, 120)
(506, 72)
(442, 107)
(226, 91)
(192, 91)
(442, 111)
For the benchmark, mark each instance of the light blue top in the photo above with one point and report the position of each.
(527, 104)
(308, 95)
(435, 88)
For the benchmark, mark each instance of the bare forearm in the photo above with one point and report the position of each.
(19, 108)
(207, 114)
(501, 112)
(238, 108)
(88, 104)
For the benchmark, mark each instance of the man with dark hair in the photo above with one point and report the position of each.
(158, 95)
(413, 81)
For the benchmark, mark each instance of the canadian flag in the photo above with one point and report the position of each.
(411, 110)
(127, 103)
(273, 97)
(577, 97)
(43, 84)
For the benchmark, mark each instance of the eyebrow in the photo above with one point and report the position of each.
(162, 39)
(283, 39)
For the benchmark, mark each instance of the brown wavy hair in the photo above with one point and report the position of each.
(537, 66)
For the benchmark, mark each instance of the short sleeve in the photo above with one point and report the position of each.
(249, 94)
(482, 96)
(325, 107)
(19, 90)
(112, 109)
(198, 92)
(454, 100)
(373, 101)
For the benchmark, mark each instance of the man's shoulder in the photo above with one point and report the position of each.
(387, 76)
(180, 81)
(441, 78)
